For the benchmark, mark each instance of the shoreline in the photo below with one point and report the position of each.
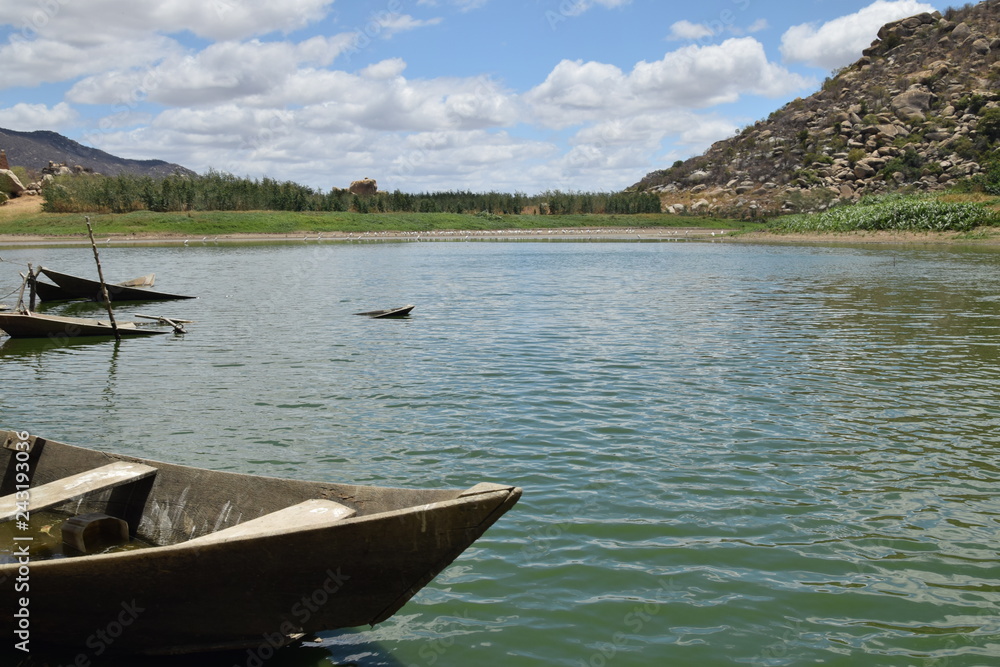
(570, 233)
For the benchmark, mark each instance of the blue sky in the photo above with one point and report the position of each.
(422, 95)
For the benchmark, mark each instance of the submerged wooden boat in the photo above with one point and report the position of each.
(238, 561)
(84, 288)
(38, 325)
(50, 292)
(402, 311)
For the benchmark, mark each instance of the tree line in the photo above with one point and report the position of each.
(218, 191)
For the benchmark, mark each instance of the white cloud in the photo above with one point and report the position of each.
(392, 24)
(840, 42)
(386, 69)
(692, 77)
(61, 41)
(463, 5)
(689, 31)
(607, 4)
(29, 117)
(28, 63)
(108, 20)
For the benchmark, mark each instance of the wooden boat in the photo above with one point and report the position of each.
(238, 561)
(37, 325)
(85, 288)
(402, 311)
(50, 292)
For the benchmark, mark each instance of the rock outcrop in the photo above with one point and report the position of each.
(364, 188)
(919, 111)
(10, 184)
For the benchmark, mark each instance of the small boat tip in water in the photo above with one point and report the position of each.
(402, 311)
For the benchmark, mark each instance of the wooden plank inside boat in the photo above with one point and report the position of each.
(308, 514)
(66, 489)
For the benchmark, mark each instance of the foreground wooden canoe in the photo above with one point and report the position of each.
(84, 288)
(242, 561)
(38, 325)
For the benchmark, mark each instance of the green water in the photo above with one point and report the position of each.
(731, 454)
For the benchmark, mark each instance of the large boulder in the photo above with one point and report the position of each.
(10, 185)
(914, 102)
(365, 187)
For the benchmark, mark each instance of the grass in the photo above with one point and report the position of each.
(37, 223)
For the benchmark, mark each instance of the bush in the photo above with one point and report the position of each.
(989, 125)
(894, 213)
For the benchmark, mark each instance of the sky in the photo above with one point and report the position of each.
(421, 95)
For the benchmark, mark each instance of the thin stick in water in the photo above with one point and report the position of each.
(104, 287)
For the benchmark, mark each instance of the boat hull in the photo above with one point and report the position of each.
(83, 288)
(257, 590)
(388, 312)
(49, 292)
(19, 325)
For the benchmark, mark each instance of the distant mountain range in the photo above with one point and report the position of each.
(34, 150)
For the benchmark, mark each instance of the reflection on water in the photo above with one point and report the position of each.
(731, 454)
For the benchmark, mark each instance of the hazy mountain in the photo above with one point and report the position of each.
(34, 150)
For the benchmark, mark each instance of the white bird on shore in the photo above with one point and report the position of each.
(185, 241)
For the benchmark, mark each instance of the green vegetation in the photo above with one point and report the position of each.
(894, 213)
(216, 191)
(295, 224)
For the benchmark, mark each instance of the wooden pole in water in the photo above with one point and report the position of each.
(104, 287)
(32, 274)
(20, 297)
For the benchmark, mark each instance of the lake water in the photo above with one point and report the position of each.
(731, 454)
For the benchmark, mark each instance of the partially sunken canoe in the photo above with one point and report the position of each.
(37, 325)
(48, 292)
(240, 561)
(401, 311)
(83, 288)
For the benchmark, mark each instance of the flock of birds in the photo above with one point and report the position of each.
(669, 235)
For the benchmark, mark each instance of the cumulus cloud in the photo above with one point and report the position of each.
(840, 42)
(689, 31)
(691, 77)
(29, 117)
(463, 5)
(30, 62)
(115, 19)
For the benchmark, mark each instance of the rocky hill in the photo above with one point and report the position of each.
(919, 111)
(35, 150)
